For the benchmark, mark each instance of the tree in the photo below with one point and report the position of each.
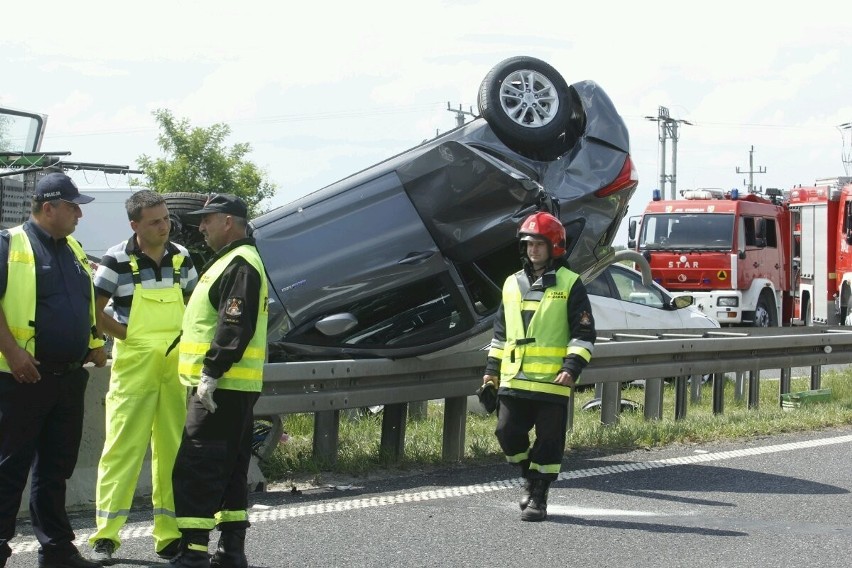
(198, 161)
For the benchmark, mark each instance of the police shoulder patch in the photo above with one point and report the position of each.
(585, 318)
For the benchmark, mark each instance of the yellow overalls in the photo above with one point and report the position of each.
(146, 402)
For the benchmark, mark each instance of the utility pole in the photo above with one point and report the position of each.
(751, 171)
(460, 114)
(846, 132)
(667, 127)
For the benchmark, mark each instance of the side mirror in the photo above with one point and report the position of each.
(631, 229)
(680, 302)
(336, 324)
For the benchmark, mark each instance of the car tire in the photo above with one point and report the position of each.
(528, 105)
(184, 229)
(180, 203)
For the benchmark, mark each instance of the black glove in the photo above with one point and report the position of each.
(487, 394)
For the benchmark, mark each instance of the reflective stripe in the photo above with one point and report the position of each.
(518, 458)
(111, 515)
(546, 468)
(196, 547)
(587, 345)
(231, 516)
(196, 523)
(537, 386)
(580, 352)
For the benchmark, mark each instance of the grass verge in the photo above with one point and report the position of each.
(360, 432)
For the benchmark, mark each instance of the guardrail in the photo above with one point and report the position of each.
(327, 387)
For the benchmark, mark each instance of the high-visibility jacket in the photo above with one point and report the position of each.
(532, 357)
(199, 327)
(20, 308)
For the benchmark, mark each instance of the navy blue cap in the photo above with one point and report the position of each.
(59, 186)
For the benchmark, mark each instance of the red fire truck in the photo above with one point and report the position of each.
(780, 258)
(821, 221)
(731, 252)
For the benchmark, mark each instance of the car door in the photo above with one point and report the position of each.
(644, 306)
(353, 268)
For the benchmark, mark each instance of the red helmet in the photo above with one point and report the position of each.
(545, 226)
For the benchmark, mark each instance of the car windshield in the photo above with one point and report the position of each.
(694, 231)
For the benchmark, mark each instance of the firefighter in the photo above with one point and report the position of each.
(544, 335)
(222, 353)
(147, 278)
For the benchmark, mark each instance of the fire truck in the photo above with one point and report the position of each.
(731, 252)
(821, 223)
(776, 258)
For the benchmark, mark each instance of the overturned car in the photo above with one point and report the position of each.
(408, 257)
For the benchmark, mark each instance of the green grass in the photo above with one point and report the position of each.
(359, 436)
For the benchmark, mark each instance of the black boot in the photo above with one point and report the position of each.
(526, 488)
(193, 550)
(537, 508)
(231, 551)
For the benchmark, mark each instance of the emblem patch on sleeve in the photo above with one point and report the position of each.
(586, 318)
(235, 307)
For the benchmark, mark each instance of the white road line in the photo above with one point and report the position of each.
(140, 530)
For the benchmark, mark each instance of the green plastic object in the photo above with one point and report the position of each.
(797, 399)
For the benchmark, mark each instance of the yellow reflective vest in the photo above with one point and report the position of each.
(199, 327)
(20, 309)
(532, 358)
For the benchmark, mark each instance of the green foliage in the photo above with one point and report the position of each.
(360, 433)
(198, 161)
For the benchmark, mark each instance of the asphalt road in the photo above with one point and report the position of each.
(771, 501)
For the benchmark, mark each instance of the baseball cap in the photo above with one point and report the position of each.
(223, 203)
(57, 185)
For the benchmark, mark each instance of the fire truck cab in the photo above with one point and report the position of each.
(730, 251)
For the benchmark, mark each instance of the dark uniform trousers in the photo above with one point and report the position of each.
(517, 416)
(41, 425)
(211, 470)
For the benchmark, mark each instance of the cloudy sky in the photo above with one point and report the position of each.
(321, 90)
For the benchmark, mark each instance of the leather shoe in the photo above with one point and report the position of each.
(73, 561)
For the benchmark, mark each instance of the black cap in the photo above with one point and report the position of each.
(59, 186)
(223, 203)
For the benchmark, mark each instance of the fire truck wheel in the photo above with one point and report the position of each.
(764, 313)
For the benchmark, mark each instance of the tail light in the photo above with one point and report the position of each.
(627, 178)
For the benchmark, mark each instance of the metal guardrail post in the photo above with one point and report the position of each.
(392, 446)
(455, 414)
(718, 393)
(816, 377)
(695, 383)
(610, 402)
(681, 384)
(572, 402)
(784, 382)
(653, 399)
(754, 388)
(739, 385)
(326, 435)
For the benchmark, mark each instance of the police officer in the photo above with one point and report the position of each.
(222, 353)
(47, 333)
(544, 334)
(147, 278)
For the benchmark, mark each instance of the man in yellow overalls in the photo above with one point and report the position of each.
(147, 277)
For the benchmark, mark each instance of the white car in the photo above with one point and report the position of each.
(621, 301)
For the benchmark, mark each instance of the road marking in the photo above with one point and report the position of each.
(142, 530)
